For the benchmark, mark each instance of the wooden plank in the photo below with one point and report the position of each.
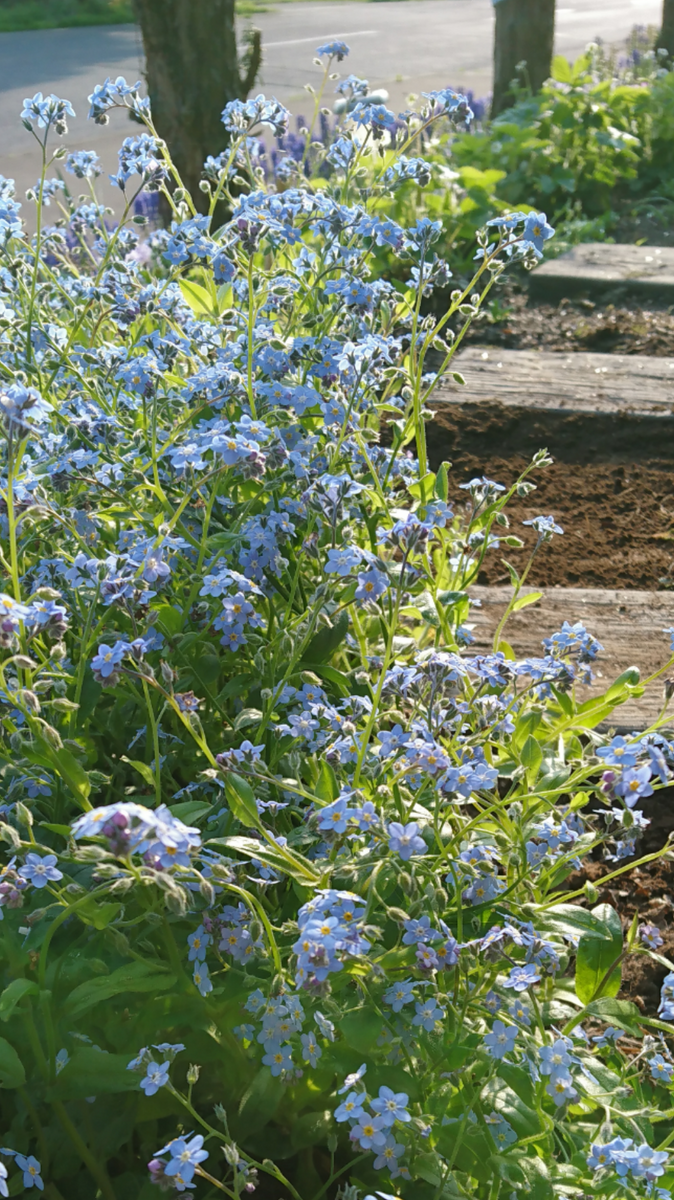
(629, 625)
(590, 383)
(599, 268)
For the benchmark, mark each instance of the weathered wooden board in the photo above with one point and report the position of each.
(629, 625)
(597, 268)
(590, 383)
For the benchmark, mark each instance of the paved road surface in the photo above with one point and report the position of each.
(405, 47)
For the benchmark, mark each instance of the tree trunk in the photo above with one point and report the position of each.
(192, 71)
(524, 34)
(666, 35)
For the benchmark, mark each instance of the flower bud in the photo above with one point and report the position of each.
(193, 1074)
(23, 815)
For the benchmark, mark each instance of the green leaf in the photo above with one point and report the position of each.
(92, 1072)
(66, 765)
(570, 918)
(561, 69)
(89, 696)
(423, 488)
(311, 1129)
(12, 1074)
(324, 643)
(360, 1029)
(64, 830)
(326, 786)
(595, 957)
(441, 481)
(13, 993)
(191, 810)
(524, 1120)
(199, 300)
(531, 757)
(289, 862)
(261, 1101)
(629, 679)
(241, 800)
(142, 768)
(206, 668)
(98, 915)
(525, 601)
(134, 977)
(170, 619)
(622, 1013)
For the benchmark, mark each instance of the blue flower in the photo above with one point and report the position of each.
(405, 839)
(31, 1171)
(634, 784)
(649, 1163)
(338, 50)
(502, 1132)
(40, 871)
(311, 1051)
(108, 657)
(351, 1109)
(661, 1070)
(545, 527)
(561, 1088)
(501, 1040)
(650, 936)
(85, 164)
(537, 231)
(279, 1058)
(335, 816)
(391, 1106)
(388, 1155)
(342, 560)
(326, 1027)
(198, 942)
(3, 1180)
(620, 753)
(368, 1132)
(185, 1157)
(521, 978)
(371, 585)
(157, 1076)
(46, 112)
(400, 994)
(428, 1014)
(352, 1079)
(554, 1058)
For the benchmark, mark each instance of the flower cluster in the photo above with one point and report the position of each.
(270, 811)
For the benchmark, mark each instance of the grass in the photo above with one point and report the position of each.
(52, 14)
(59, 14)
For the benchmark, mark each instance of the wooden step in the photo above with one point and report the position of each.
(629, 625)
(602, 268)
(558, 382)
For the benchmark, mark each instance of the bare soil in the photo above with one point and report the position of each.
(611, 486)
(620, 326)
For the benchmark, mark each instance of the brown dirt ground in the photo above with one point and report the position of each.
(621, 326)
(617, 513)
(611, 486)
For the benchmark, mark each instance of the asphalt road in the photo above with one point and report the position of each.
(406, 47)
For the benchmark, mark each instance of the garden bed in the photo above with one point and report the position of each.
(611, 488)
(620, 326)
